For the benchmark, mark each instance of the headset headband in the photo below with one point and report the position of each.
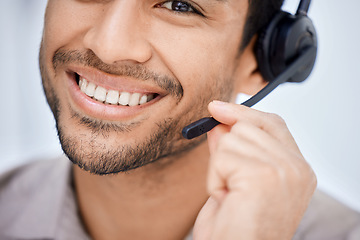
(303, 7)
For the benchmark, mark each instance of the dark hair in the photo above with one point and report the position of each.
(259, 15)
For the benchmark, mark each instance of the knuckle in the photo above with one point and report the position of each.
(303, 176)
(269, 171)
(312, 179)
(276, 119)
(269, 176)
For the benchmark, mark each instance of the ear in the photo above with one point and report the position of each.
(247, 74)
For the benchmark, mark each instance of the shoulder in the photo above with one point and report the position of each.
(29, 188)
(26, 179)
(328, 219)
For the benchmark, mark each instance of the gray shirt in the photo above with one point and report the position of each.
(37, 201)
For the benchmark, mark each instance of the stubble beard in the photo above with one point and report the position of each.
(94, 155)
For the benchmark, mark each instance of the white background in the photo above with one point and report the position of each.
(322, 113)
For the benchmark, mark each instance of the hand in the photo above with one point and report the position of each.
(259, 182)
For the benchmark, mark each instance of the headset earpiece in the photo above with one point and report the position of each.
(283, 41)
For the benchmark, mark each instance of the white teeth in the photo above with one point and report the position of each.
(83, 84)
(124, 98)
(90, 89)
(101, 94)
(143, 100)
(134, 99)
(112, 97)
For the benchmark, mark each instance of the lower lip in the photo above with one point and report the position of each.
(100, 110)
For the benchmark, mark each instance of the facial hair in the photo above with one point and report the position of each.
(93, 154)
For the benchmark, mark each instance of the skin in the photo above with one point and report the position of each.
(220, 183)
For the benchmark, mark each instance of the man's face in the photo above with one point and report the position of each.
(146, 69)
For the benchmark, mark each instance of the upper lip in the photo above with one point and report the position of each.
(119, 83)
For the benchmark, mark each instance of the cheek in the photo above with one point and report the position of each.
(66, 23)
(200, 59)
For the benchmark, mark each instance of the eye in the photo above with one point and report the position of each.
(179, 7)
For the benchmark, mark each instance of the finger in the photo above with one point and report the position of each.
(229, 155)
(254, 143)
(249, 141)
(237, 160)
(241, 147)
(254, 135)
(245, 130)
(229, 172)
(229, 114)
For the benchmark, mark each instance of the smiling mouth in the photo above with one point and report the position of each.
(111, 96)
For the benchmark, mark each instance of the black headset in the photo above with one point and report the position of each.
(284, 39)
(285, 51)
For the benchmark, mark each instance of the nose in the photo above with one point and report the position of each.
(119, 34)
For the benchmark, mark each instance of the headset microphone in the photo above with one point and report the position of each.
(285, 51)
